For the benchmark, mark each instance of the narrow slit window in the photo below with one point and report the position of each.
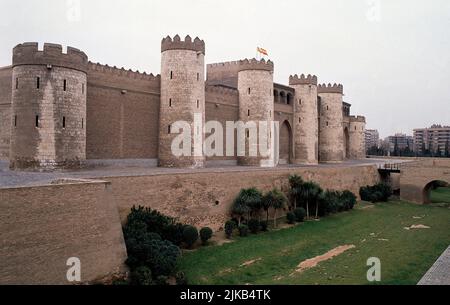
(170, 102)
(327, 123)
(17, 83)
(82, 88)
(65, 85)
(82, 123)
(299, 101)
(248, 112)
(249, 90)
(299, 120)
(64, 122)
(198, 76)
(37, 121)
(198, 104)
(171, 74)
(38, 82)
(169, 129)
(15, 121)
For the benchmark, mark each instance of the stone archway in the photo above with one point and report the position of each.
(426, 193)
(419, 177)
(285, 143)
(346, 144)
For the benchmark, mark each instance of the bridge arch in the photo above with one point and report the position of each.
(429, 187)
(418, 178)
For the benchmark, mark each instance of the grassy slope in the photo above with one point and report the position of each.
(405, 257)
(441, 195)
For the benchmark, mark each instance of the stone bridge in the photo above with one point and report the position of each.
(417, 178)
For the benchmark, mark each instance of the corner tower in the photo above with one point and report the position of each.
(331, 133)
(255, 86)
(306, 128)
(48, 107)
(357, 141)
(182, 99)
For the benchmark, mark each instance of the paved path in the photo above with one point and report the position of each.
(121, 168)
(439, 273)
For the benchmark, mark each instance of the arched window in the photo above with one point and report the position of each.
(288, 98)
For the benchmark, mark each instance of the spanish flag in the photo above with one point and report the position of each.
(262, 51)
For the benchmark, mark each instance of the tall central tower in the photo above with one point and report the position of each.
(255, 86)
(182, 100)
(331, 135)
(306, 131)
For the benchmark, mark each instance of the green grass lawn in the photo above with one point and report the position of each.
(375, 230)
(441, 195)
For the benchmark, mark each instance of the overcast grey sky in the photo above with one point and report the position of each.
(393, 56)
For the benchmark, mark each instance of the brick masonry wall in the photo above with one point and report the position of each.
(41, 227)
(5, 111)
(122, 114)
(222, 105)
(205, 199)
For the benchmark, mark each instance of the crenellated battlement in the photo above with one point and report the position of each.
(354, 118)
(221, 90)
(176, 43)
(122, 72)
(336, 88)
(254, 64)
(303, 80)
(28, 53)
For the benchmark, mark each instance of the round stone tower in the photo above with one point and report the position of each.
(255, 86)
(357, 141)
(48, 107)
(182, 102)
(306, 128)
(331, 132)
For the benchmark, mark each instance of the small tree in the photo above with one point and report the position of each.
(247, 202)
(276, 200)
(190, 235)
(205, 235)
(295, 183)
(310, 193)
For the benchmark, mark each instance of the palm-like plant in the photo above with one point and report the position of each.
(296, 183)
(274, 199)
(310, 192)
(247, 202)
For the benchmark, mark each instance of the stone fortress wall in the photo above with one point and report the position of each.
(114, 113)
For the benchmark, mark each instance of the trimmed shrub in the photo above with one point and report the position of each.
(181, 279)
(264, 226)
(161, 256)
(141, 276)
(243, 230)
(162, 280)
(300, 214)
(174, 233)
(190, 235)
(290, 218)
(349, 199)
(229, 227)
(205, 235)
(377, 193)
(253, 226)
